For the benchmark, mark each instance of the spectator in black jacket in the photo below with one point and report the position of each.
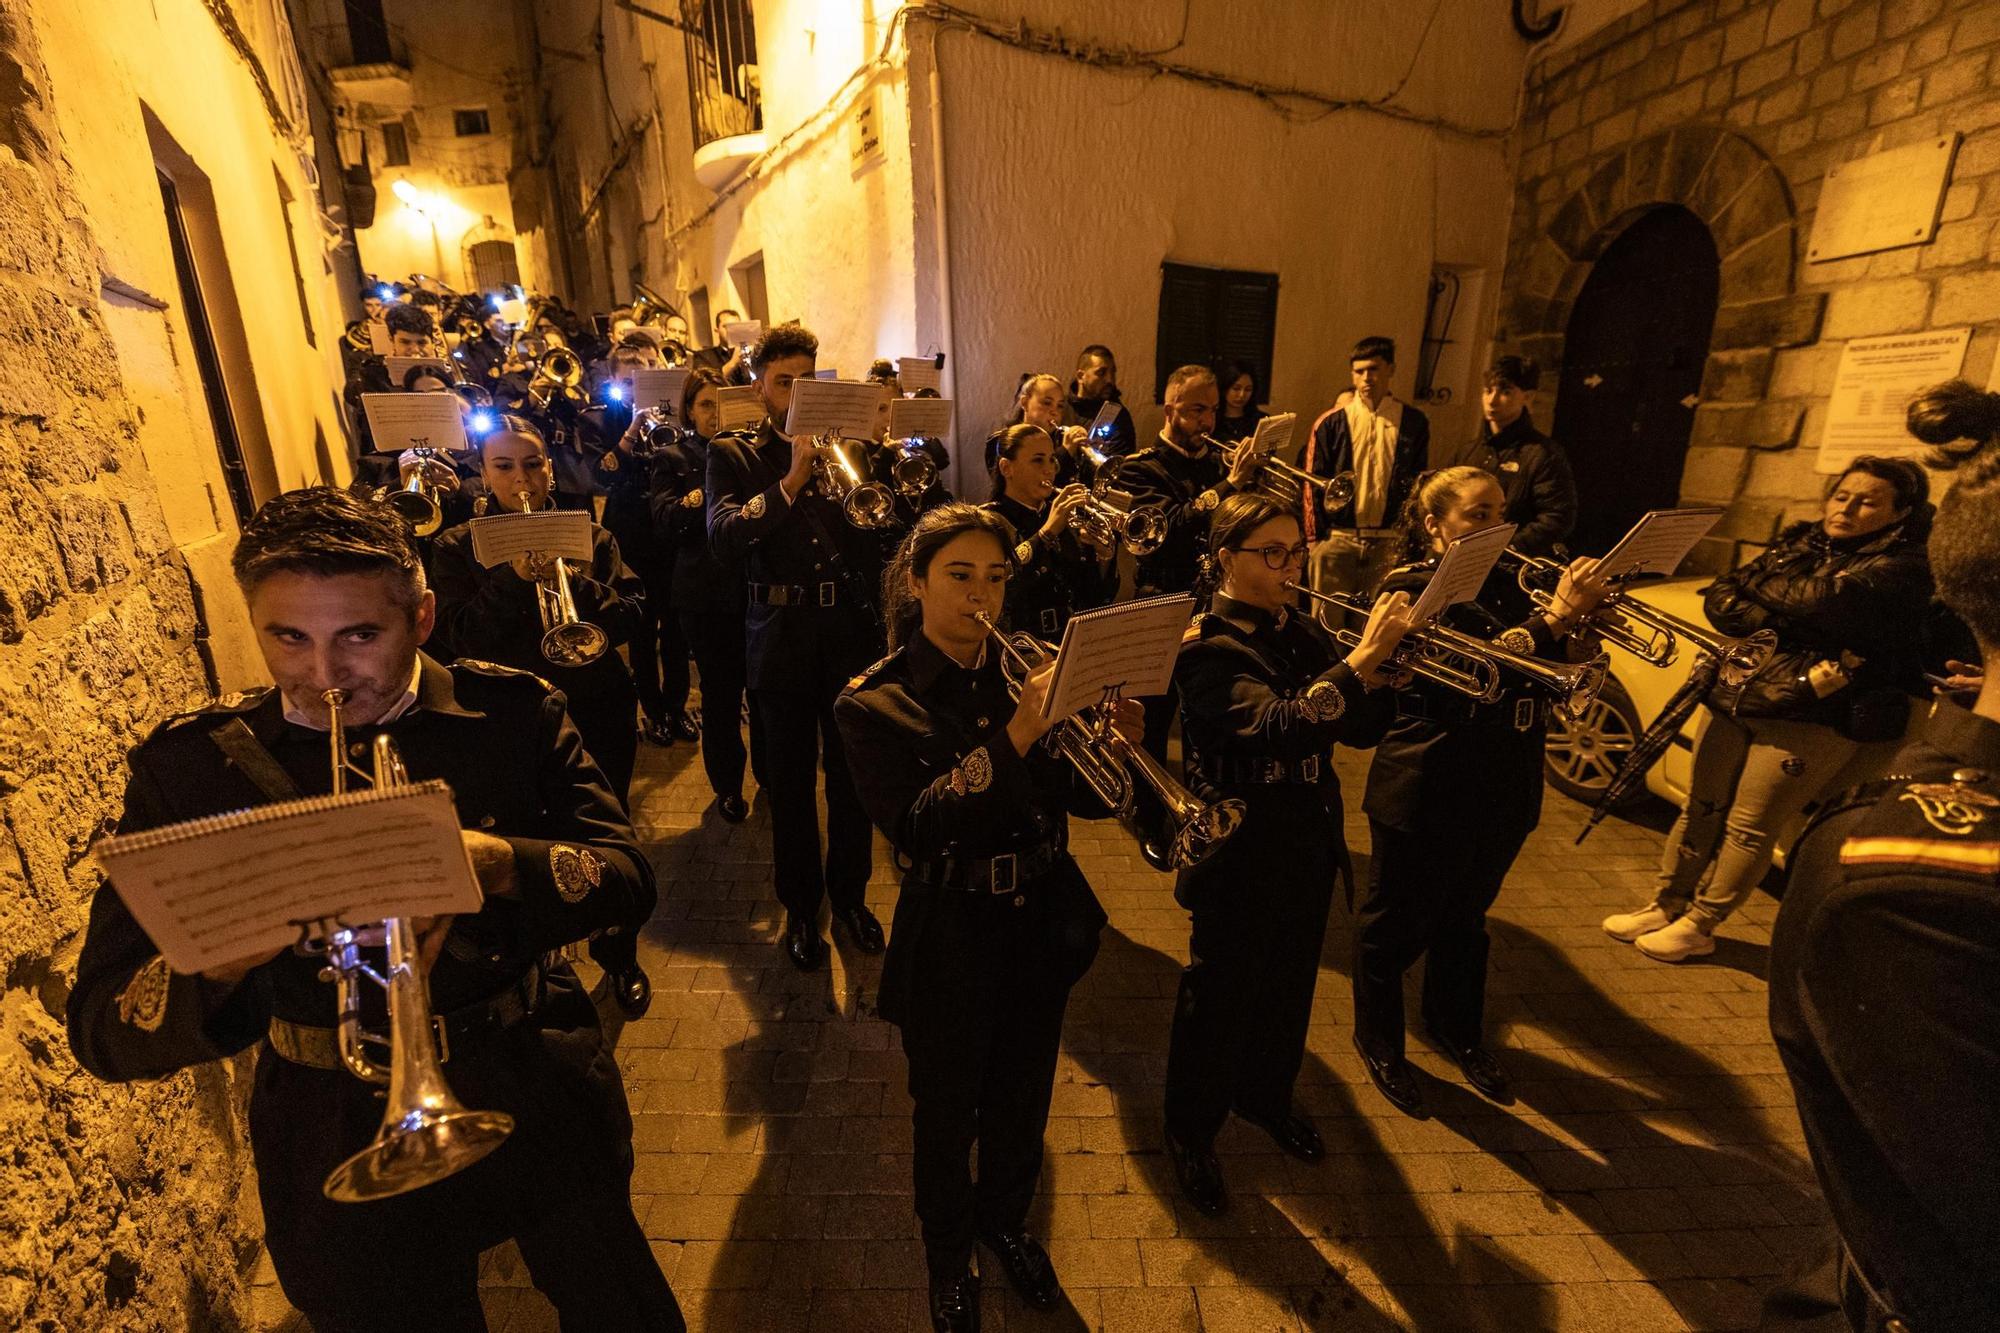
(1847, 598)
(1239, 415)
(1095, 384)
(1533, 469)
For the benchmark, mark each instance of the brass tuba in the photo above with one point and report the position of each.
(426, 1134)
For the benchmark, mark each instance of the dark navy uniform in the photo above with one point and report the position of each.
(994, 924)
(1885, 1002)
(521, 1040)
(1187, 486)
(814, 581)
(1454, 791)
(1263, 701)
(658, 651)
(709, 600)
(1054, 578)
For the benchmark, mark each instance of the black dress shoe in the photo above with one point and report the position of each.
(803, 945)
(1396, 1081)
(657, 733)
(1200, 1176)
(683, 727)
(1483, 1072)
(863, 926)
(955, 1304)
(1295, 1134)
(632, 989)
(733, 809)
(1027, 1266)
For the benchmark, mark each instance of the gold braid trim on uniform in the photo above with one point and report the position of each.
(1323, 701)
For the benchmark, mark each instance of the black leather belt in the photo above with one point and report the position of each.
(1234, 769)
(988, 874)
(319, 1048)
(794, 594)
(1521, 712)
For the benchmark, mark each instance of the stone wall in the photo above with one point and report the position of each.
(120, 1207)
(1736, 110)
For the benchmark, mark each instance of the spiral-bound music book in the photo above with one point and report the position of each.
(225, 887)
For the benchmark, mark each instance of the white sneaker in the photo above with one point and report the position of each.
(1681, 939)
(1629, 926)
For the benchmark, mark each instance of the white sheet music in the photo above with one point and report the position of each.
(399, 367)
(920, 372)
(1462, 571)
(217, 890)
(1658, 542)
(498, 538)
(1129, 647)
(1106, 418)
(378, 338)
(742, 332)
(659, 388)
(1274, 435)
(848, 408)
(926, 417)
(740, 406)
(402, 421)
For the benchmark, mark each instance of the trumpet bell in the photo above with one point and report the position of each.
(1197, 837)
(422, 1145)
(1145, 530)
(577, 643)
(425, 515)
(914, 471)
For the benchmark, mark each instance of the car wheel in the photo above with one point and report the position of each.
(1583, 753)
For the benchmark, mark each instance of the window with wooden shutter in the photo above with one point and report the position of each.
(1212, 315)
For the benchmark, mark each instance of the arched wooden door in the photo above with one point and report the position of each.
(1632, 365)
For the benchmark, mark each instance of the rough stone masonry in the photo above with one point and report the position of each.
(120, 1207)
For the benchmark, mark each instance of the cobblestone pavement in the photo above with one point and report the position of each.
(1651, 1176)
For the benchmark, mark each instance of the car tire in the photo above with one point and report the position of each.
(1582, 755)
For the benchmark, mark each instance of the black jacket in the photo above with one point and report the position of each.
(1866, 597)
(517, 769)
(1887, 1016)
(1330, 452)
(626, 482)
(702, 583)
(1053, 578)
(1535, 477)
(1231, 430)
(927, 743)
(1122, 438)
(804, 545)
(1259, 694)
(1187, 487)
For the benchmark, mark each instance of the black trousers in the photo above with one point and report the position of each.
(559, 1187)
(610, 734)
(800, 736)
(1429, 894)
(659, 654)
(719, 655)
(1240, 1020)
(981, 1035)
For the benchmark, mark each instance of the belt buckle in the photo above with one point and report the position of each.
(827, 592)
(1524, 713)
(1004, 868)
(1048, 620)
(1309, 768)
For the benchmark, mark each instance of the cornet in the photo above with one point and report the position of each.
(567, 638)
(913, 470)
(1471, 665)
(1643, 630)
(842, 480)
(425, 477)
(557, 370)
(1107, 762)
(1102, 522)
(1286, 484)
(656, 431)
(426, 1134)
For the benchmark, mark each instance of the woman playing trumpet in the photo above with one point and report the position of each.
(1455, 789)
(1057, 571)
(1265, 695)
(995, 922)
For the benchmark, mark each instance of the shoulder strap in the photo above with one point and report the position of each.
(240, 746)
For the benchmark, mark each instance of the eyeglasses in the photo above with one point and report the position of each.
(1275, 556)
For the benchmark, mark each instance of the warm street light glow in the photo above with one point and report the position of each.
(408, 193)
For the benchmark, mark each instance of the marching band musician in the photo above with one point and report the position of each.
(1057, 572)
(485, 356)
(1453, 792)
(882, 461)
(813, 580)
(723, 357)
(708, 596)
(1265, 695)
(497, 614)
(1039, 402)
(995, 921)
(410, 334)
(338, 601)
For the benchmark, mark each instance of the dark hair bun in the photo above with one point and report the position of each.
(1960, 419)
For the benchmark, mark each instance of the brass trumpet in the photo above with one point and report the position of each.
(567, 638)
(557, 371)
(866, 504)
(1103, 522)
(426, 1134)
(912, 469)
(1645, 631)
(656, 431)
(1471, 665)
(425, 477)
(1286, 484)
(1108, 764)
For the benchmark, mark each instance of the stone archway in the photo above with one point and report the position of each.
(1727, 182)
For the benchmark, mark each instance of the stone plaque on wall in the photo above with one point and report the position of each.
(1882, 201)
(1872, 390)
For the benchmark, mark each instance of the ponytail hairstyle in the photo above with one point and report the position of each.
(1963, 423)
(1433, 496)
(934, 530)
(1235, 519)
(1027, 386)
(1007, 444)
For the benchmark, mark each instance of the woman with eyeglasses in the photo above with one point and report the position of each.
(1265, 694)
(1453, 792)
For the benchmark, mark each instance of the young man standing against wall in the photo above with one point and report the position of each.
(1386, 444)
